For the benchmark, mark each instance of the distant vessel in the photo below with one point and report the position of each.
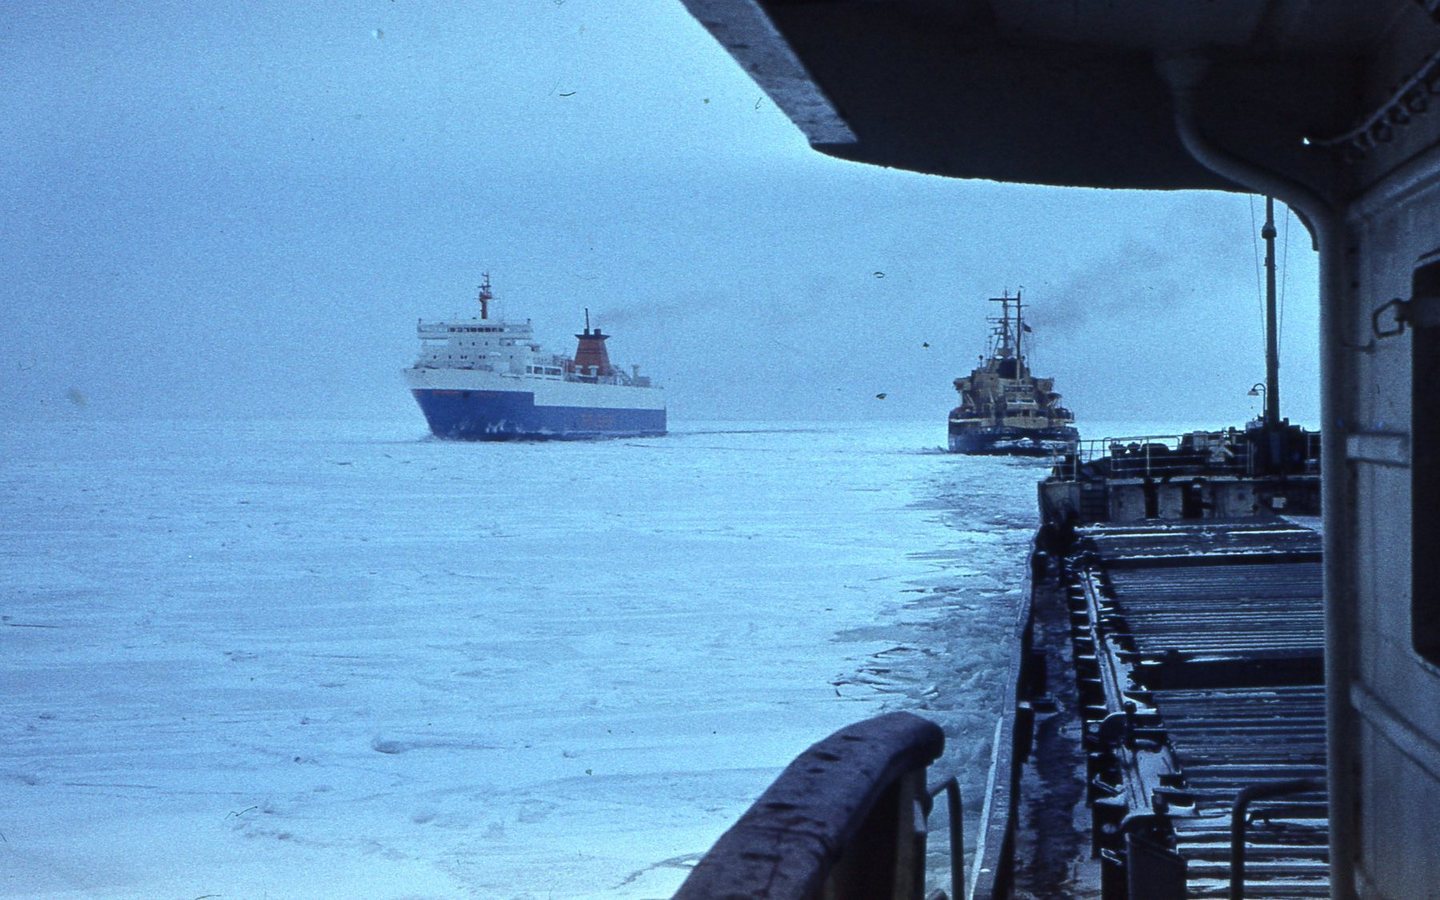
(486, 379)
(1003, 408)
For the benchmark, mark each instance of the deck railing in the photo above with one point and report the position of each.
(1229, 452)
(846, 820)
(1240, 821)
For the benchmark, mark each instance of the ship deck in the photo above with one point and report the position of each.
(1176, 668)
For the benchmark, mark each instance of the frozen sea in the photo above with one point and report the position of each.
(279, 659)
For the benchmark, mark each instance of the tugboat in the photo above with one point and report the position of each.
(1004, 409)
(486, 379)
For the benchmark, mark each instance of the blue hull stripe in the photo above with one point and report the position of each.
(513, 415)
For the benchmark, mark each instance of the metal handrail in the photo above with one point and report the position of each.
(864, 780)
(1123, 449)
(955, 809)
(1140, 452)
(1239, 820)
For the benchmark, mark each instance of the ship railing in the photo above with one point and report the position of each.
(438, 363)
(847, 818)
(850, 817)
(435, 330)
(955, 810)
(1159, 456)
(1246, 452)
(446, 329)
(1240, 820)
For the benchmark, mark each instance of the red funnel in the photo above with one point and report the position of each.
(591, 351)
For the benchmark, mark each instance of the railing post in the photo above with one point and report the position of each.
(955, 811)
(1238, 822)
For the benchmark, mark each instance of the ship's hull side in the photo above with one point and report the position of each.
(476, 406)
(1008, 440)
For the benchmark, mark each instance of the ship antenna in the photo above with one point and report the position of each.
(485, 297)
(587, 320)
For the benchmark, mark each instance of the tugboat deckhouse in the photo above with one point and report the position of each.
(1332, 107)
(1004, 408)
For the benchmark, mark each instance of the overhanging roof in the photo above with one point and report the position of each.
(1066, 91)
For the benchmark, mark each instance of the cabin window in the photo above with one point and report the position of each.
(1425, 460)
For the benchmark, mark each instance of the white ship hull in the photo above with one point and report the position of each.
(470, 404)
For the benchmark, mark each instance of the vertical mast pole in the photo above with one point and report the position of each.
(1272, 351)
(1005, 325)
(1019, 326)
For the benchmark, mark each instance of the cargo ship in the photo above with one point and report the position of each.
(1163, 730)
(1004, 409)
(484, 379)
(1163, 733)
(1231, 103)
(1169, 696)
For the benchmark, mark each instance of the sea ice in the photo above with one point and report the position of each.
(330, 659)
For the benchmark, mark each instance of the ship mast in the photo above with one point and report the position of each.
(1009, 340)
(1272, 351)
(485, 297)
(1019, 327)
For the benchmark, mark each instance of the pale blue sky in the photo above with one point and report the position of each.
(241, 210)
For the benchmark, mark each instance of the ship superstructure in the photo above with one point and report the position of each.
(1004, 409)
(485, 378)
